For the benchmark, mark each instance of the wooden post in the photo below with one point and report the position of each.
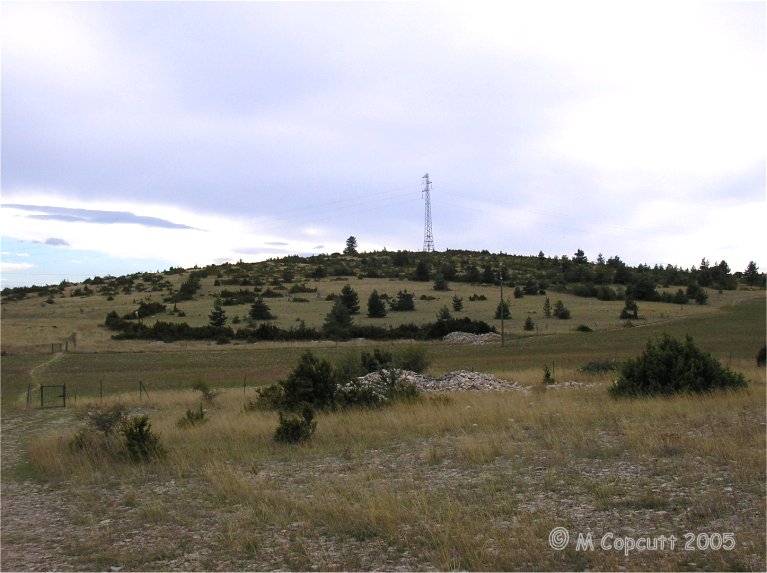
(64, 395)
(101, 391)
(29, 395)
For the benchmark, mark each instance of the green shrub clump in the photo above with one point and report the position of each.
(670, 366)
(294, 428)
(142, 443)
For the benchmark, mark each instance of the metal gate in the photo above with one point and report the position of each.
(53, 396)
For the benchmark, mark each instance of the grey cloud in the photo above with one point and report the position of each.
(69, 215)
(56, 242)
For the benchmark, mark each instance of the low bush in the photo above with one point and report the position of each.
(670, 366)
(294, 428)
(193, 417)
(142, 443)
(600, 367)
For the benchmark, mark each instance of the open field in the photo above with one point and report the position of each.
(469, 481)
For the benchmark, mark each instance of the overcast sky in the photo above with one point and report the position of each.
(140, 135)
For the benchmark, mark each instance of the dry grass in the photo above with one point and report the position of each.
(474, 481)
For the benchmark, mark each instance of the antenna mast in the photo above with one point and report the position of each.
(428, 239)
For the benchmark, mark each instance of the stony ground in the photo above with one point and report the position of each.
(176, 523)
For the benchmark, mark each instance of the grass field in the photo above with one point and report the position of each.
(470, 481)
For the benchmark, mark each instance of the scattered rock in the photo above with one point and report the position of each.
(456, 381)
(468, 338)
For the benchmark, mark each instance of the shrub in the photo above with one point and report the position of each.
(670, 366)
(547, 376)
(476, 297)
(378, 360)
(404, 301)
(267, 398)
(193, 417)
(583, 328)
(208, 395)
(294, 428)
(561, 311)
(529, 324)
(107, 420)
(142, 443)
(376, 305)
(502, 310)
(761, 356)
(600, 366)
(312, 382)
(414, 358)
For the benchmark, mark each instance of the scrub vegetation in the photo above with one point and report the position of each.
(199, 471)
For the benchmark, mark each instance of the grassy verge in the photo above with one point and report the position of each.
(471, 481)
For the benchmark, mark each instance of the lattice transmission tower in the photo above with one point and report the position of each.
(428, 239)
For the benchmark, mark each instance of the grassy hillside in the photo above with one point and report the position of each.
(472, 481)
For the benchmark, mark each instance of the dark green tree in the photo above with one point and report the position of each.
(259, 310)
(405, 301)
(444, 313)
(503, 310)
(376, 306)
(350, 299)
(561, 311)
(337, 321)
(457, 303)
(217, 317)
(440, 282)
(351, 246)
(670, 366)
(421, 271)
(751, 274)
(312, 382)
(488, 275)
(529, 324)
(630, 308)
(473, 275)
(547, 308)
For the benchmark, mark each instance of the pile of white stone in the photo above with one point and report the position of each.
(456, 381)
(468, 338)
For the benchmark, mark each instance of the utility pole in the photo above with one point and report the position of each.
(428, 239)
(500, 276)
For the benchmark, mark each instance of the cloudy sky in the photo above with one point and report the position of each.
(140, 135)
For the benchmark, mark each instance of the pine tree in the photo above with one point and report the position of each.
(529, 324)
(547, 308)
(376, 306)
(457, 303)
(259, 310)
(503, 310)
(561, 311)
(337, 321)
(751, 275)
(444, 313)
(217, 317)
(421, 271)
(440, 283)
(350, 299)
(405, 301)
(351, 246)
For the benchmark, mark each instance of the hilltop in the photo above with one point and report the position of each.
(447, 291)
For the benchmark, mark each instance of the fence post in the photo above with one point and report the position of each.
(64, 395)
(29, 395)
(101, 391)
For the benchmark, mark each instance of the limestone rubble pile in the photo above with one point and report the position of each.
(468, 338)
(456, 381)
